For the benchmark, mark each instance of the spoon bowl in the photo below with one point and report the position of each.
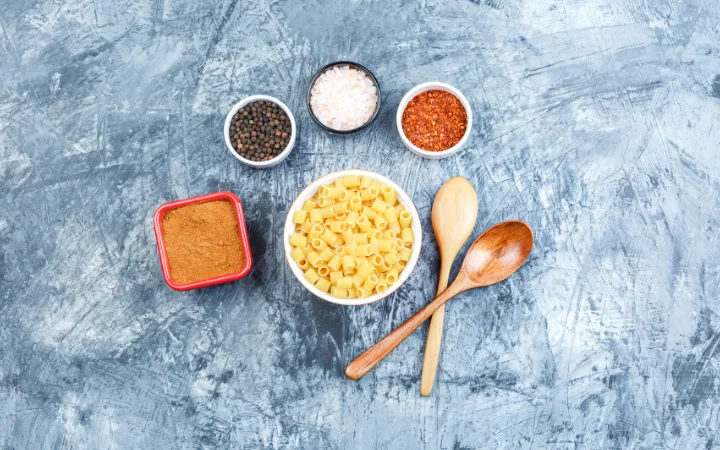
(498, 253)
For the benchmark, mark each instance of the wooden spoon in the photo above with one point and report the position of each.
(454, 213)
(495, 255)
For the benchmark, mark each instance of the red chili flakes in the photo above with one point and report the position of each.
(434, 120)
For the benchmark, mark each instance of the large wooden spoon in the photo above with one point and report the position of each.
(495, 255)
(454, 213)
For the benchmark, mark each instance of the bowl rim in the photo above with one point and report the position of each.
(357, 66)
(293, 129)
(289, 228)
(242, 231)
(427, 86)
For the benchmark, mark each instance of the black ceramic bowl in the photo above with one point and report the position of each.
(354, 66)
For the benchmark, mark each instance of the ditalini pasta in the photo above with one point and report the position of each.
(352, 238)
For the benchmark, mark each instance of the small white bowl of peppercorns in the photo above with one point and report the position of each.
(260, 131)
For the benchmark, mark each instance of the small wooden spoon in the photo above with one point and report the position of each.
(495, 255)
(454, 213)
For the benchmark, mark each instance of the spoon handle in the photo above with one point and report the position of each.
(369, 359)
(434, 336)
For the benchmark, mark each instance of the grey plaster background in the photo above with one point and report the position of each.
(597, 122)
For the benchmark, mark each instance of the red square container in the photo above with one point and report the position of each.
(242, 230)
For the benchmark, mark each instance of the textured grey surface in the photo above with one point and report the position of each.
(597, 122)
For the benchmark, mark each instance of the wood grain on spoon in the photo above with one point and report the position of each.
(495, 255)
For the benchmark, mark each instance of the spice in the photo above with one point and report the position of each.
(343, 98)
(202, 241)
(260, 131)
(434, 120)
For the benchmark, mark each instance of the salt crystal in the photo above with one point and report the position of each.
(343, 98)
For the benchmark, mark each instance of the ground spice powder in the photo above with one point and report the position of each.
(434, 120)
(202, 241)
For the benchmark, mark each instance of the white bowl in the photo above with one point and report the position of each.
(430, 86)
(279, 158)
(308, 192)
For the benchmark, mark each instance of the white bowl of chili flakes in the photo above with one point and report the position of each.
(419, 127)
